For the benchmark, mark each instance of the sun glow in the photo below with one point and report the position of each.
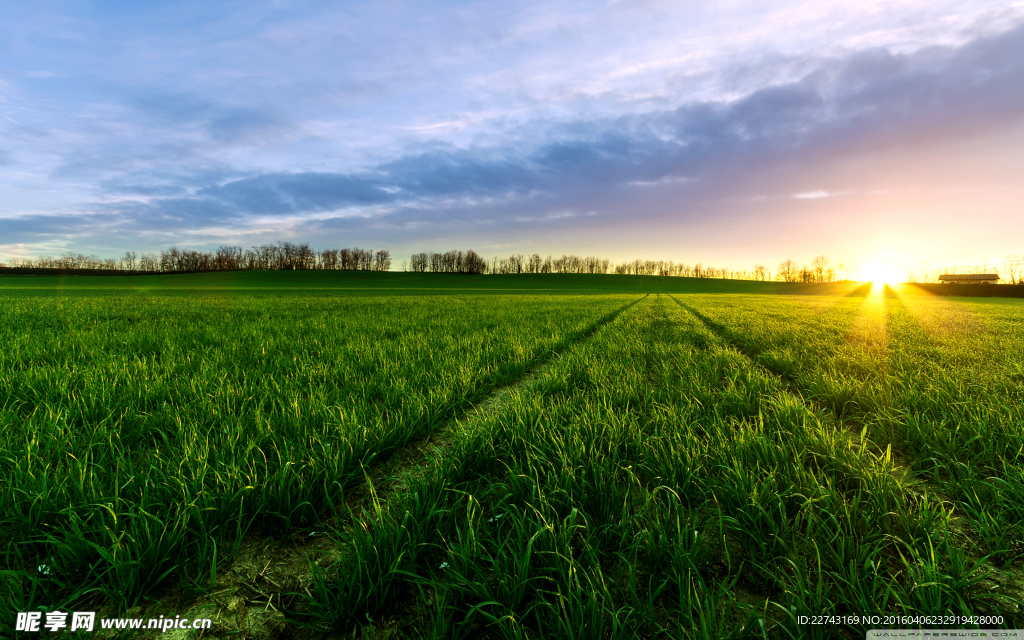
(880, 272)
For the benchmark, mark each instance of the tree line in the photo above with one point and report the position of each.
(820, 269)
(471, 262)
(448, 262)
(300, 256)
(269, 257)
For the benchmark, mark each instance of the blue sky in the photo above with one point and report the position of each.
(726, 133)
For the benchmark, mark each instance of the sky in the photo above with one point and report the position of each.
(727, 133)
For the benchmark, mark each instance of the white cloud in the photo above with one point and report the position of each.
(820, 193)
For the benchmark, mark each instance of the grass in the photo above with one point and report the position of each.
(330, 283)
(937, 381)
(138, 430)
(670, 465)
(668, 485)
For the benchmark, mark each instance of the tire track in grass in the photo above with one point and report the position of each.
(787, 384)
(416, 457)
(792, 388)
(900, 470)
(266, 575)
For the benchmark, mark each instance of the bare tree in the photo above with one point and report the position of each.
(129, 261)
(788, 271)
(228, 258)
(819, 266)
(535, 263)
(419, 262)
(1014, 266)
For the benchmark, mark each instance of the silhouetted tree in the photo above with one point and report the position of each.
(1014, 269)
(822, 272)
(787, 271)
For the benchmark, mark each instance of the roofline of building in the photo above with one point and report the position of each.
(970, 276)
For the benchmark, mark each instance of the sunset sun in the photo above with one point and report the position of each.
(880, 272)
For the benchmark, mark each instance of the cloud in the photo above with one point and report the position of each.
(223, 124)
(540, 169)
(288, 193)
(34, 228)
(166, 183)
(870, 98)
(173, 108)
(820, 193)
(247, 126)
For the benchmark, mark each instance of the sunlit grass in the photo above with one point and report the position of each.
(651, 478)
(696, 466)
(139, 433)
(949, 402)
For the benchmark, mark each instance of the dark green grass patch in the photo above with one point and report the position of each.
(139, 430)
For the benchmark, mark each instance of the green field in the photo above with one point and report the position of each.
(428, 456)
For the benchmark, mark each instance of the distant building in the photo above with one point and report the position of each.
(969, 278)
